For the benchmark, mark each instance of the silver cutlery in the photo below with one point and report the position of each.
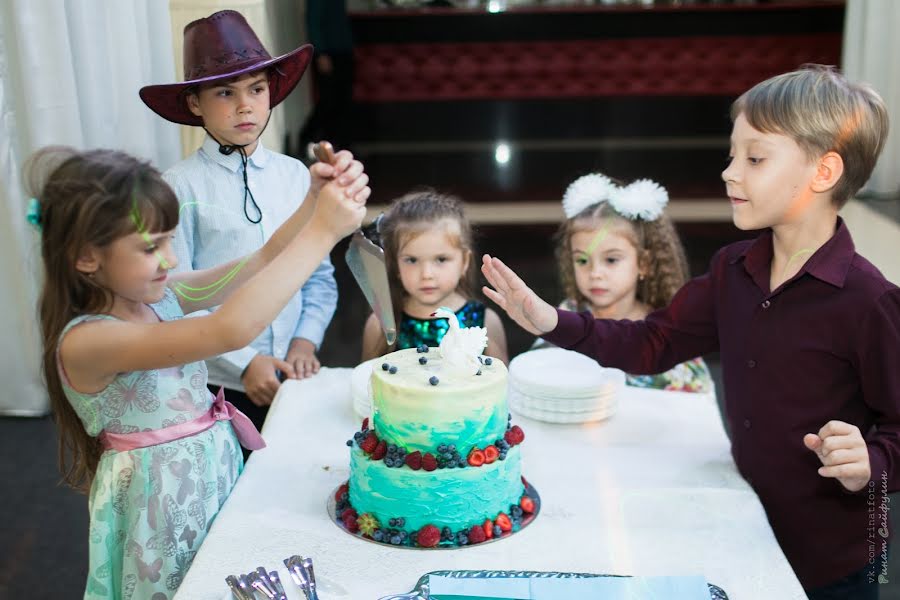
(301, 570)
(256, 585)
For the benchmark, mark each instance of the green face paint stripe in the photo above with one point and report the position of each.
(222, 283)
(180, 288)
(228, 276)
(135, 215)
(601, 235)
(794, 256)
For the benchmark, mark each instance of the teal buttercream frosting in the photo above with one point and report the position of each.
(456, 498)
(409, 411)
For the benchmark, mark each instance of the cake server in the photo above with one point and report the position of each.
(366, 261)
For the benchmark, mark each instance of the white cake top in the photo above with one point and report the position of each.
(461, 347)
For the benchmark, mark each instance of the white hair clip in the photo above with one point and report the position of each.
(587, 191)
(642, 199)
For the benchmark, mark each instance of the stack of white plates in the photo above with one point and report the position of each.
(561, 386)
(360, 389)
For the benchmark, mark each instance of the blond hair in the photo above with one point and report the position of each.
(822, 111)
(659, 252)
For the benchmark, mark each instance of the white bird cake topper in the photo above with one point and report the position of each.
(461, 346)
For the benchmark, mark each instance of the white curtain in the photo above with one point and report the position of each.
(288, 19)
(871, 48)
(70, 71)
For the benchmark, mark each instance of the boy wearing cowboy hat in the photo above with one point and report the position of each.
(235, 193)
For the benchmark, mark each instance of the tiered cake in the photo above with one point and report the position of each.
(440, 464)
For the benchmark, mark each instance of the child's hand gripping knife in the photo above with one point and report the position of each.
(331, 166)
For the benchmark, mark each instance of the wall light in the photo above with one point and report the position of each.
(501, 153)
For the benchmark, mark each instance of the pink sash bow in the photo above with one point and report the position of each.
(221, 410)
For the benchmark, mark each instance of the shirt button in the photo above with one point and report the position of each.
(766, 304)
(751, 363)
(746, 423)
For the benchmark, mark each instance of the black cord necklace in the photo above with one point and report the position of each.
(228, 150)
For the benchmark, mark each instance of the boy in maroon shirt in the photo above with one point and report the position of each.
(808, 330)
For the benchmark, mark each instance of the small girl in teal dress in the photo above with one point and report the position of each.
(427, 244)
(620, 258)
(125, 372)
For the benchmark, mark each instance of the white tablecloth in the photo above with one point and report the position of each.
(652, 491)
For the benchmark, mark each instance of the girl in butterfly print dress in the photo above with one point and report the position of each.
(125, 371)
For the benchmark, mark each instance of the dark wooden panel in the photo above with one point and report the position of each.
(456, 25)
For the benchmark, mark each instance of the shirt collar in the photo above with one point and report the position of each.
(232, 161)
(830, 262)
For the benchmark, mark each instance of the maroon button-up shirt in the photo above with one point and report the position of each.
(825, 345)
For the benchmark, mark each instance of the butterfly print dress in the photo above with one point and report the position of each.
(151, 508)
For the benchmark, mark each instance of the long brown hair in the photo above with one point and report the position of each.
(86, 199)
(659, 250)
(407, 217)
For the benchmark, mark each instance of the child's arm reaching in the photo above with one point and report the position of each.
(94, 352)
(518, 300)
(684, 329)
(194, 288)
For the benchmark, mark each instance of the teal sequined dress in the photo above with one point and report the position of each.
(415, 332)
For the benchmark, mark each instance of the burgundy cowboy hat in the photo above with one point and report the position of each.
(223, 46)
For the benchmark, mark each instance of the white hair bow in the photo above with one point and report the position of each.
(587, 191)
(642, 199)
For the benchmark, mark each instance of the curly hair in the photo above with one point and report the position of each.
(406, 218)
(659, 250)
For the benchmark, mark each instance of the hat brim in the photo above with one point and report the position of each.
(170, 100)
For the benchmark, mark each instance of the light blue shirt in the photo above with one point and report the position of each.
(213, 229)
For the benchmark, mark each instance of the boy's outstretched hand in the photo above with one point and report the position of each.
(518, 300)
(843, 452)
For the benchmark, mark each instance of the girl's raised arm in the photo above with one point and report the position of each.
(202, 289)
(93, 353)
